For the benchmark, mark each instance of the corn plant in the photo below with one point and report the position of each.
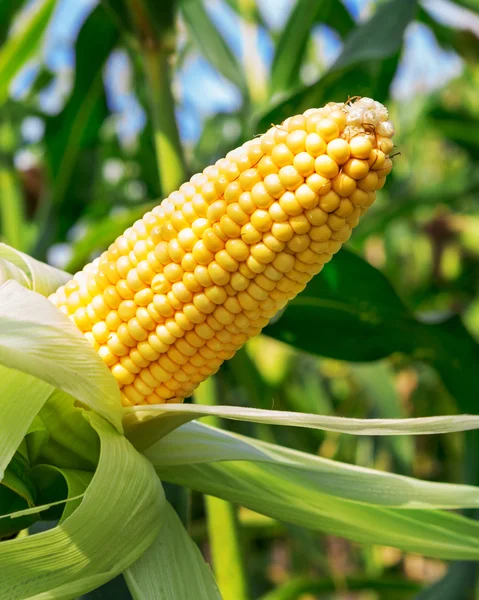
(100, 445)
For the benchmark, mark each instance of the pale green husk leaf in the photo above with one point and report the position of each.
(39, 276)
(195, 443)
(121, 514)
(22, 397)
(172, 567)
(60, 436)
(10, 271)
(146, 424)
(360, 504)
(37, 509)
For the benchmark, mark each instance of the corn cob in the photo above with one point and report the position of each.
(187, 285)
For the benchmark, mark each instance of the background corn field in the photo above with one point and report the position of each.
(390, 329)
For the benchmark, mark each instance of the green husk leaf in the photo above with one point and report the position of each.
(18, 479)
(22, 397)
(119, 517)
(43, 507)
(145, 424)
(38, 339)
(66, 440)
(17, 492)
(60, 489)
(11, 502)
(36, 438)
(172, 567)
(299, 491)
(9, 271)
(77, 483)
(196, 444)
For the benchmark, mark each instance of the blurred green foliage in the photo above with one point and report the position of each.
(404, 298)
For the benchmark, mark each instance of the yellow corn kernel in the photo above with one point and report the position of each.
(326, 166)
(327, 129)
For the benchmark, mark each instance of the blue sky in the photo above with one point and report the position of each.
(425, 65)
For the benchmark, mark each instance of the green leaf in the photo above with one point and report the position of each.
(357, 316)
(339, 18)
(42, 278)
(195, 444)
(67, 441)
(60, 491)
(37, 436)
(72, 137)
(457, 126)
(43, 508)
(9, 271)
(63, 451)
(76, 127)
(19, 48)
(374, 42)
(11, 208)
(40, 340)
(22, 397)
(292, 43)
(294, 487)
(18, 479)
(357, 71)
(77, 483)
(248, 10)
(118, 519)
(17, 492)
(146, 424)
(172, 567)
(211, 42)
(8, 8)
(11, 502)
